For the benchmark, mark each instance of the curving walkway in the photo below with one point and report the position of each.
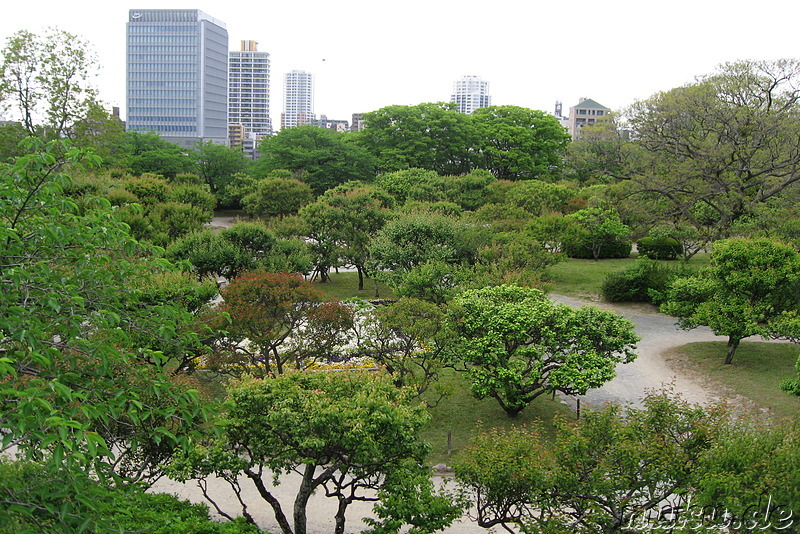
(651, 369)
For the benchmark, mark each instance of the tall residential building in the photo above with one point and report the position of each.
(177, 75)
(471, 93)
(248, 96)
(298, 99)
(587, 111)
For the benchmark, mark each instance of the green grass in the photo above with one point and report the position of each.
(756, 371)
(461, 415)
(344, 285)
(584, 278)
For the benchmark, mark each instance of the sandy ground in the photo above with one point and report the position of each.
(652, 370)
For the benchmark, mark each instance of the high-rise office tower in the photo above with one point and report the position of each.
(298, 99)
(471, 93)
(248, 96)
(177, 75)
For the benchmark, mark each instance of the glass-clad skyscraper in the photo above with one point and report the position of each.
(177, 75)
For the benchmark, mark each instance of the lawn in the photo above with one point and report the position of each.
(344, 285)
(756, 371)
(584, 278)
(461, 414)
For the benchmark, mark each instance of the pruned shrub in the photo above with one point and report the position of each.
(659, 248)
(637, 283)
(609, 250)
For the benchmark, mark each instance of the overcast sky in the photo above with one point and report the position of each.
(366, 54)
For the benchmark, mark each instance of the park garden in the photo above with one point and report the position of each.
(382, 305)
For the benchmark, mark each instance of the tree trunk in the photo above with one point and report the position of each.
(301, 501)
(278, 361)
(733, 343)
(273, 502)
(340, 517)
(360, 278)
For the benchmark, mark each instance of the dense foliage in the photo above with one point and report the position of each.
(81, 396)
(745, 291)
(516, 344)
(345, 435)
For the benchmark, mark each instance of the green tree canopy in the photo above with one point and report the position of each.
(324, 158)
(516, 143)
(218, 165)
(80, 396)
(745, 292)
(715, 149)
(430, 136)
(345, 435)
(47, 79)
(516, 344)
(614, 470)
(596, 233)
(277, 196)
(343, 221)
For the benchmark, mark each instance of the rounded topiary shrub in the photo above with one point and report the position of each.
(610, 250)
(635, 283)
(659, 248)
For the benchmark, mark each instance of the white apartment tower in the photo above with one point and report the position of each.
(298, 99)
(248, 88)
(248, 96)
(471, 93)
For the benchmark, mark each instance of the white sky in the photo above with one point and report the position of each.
(366, 54)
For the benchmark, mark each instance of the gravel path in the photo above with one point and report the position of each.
(652, 369)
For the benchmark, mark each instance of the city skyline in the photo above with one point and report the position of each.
(364, 58)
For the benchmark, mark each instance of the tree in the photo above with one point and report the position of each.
(598, 233)
(11, 135)
(717, 148)
(347, 217)
(516, 344)
(515, 258)
(745, 291)
(343, 434)
(242, 247)
(749, 477)
(430, 136)
(277, 196)
(408, 184)
(323, 157)
(408, 339)
(218, 165)
(425, 251)
(538, 197)
(149, 153)
(416, 238)
(269, 323)
(611, 471)
(47, 78)
(517, 143)
(80, 398)
(601, 153)
(101, 130)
